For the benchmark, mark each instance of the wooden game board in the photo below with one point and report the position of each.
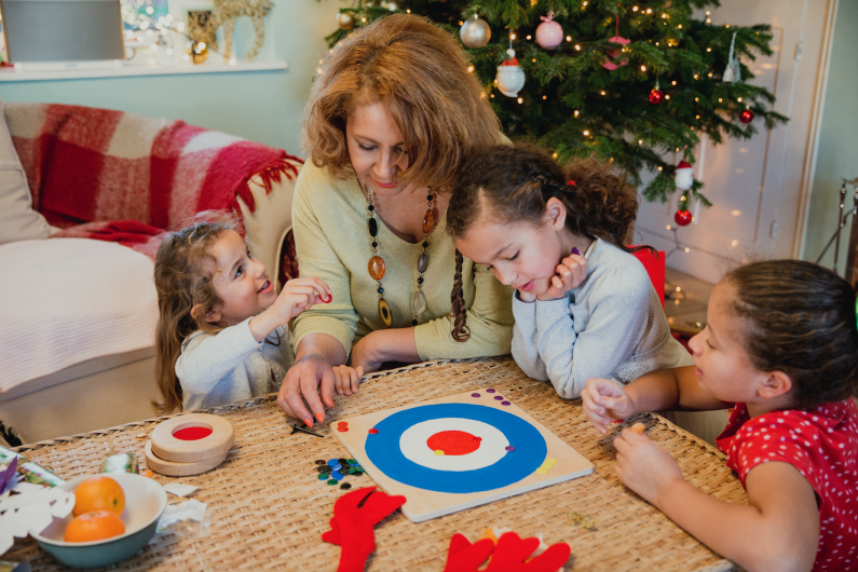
(458, 452)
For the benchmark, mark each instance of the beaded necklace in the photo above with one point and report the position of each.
(377, 267)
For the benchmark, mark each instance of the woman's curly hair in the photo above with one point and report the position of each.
(800, 319)
(515, 183)
(420, 74)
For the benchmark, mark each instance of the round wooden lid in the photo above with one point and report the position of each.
(192, 438)
(180, 469)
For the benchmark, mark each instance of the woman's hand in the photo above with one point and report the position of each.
(571, 271)
(367, 353)
(604, 401)
(310, 379)
(347, 379)
(645, 467)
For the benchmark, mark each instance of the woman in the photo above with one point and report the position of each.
(390, 122)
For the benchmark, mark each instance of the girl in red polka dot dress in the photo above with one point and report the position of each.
(781, 349)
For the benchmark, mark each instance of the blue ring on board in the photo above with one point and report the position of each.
(383, 450)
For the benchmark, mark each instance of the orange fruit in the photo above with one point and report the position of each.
(99, 493)
(96, 525)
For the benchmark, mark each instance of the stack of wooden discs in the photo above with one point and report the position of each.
(189, 445)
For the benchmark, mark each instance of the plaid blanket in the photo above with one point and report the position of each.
(110, 175)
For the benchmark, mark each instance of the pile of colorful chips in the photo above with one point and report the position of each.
(336, 470)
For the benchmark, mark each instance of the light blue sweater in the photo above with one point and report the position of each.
(231, 366)
(612, 325)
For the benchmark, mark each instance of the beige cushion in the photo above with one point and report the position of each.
(18, 220)
(68, 300)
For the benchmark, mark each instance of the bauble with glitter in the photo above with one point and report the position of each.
(475, 32)
(549, 34)
(345, 21)
(656, 95)
(746, 116)
(614, 57)
(683, 217)
(510, 77)
(684, 176)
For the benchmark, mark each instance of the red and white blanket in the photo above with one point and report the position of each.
(120, 177)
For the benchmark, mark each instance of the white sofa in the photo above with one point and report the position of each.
(78, 316)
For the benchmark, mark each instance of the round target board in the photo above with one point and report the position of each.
(456, 448)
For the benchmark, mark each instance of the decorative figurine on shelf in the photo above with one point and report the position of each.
(228, 13)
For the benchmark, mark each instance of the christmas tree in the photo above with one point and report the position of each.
(624, 81)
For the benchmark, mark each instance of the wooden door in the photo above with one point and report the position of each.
(760, 187)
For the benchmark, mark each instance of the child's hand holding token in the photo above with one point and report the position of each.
(604, 401)
(298, 295)
(643, 466)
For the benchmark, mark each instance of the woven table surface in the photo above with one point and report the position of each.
(269, 510)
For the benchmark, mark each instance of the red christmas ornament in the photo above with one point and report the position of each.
(746, 116)
(656, 95)
(683, 217)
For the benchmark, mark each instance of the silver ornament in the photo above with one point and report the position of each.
(345, 21)
(475, 32)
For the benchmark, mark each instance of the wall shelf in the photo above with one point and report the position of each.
(81, 71)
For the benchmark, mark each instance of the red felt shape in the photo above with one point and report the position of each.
(510, 555)
(355, 515)
(193, 433)
(454, 442)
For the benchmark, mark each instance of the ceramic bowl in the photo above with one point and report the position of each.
(145, 500)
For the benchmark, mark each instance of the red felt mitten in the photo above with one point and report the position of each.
(466, 557)
(510, 555)
(355, 515)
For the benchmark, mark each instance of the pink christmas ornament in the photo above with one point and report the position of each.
(614, 59)
(549, 34)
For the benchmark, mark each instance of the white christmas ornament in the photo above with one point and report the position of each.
(475, 32)
(510, 78)
(549, 34)
(733, 71)
(684, 176)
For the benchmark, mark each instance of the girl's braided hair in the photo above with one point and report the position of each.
(800, 319)
(514, 183)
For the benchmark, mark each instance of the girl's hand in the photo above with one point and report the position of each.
(347, 379)
(571, 271)
(298, 295)
(604, 401)
(645, 467)
(366, 354)
(310, 379)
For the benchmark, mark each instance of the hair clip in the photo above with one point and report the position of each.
(571, 183)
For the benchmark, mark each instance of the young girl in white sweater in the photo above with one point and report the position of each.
(221, 334)
(584, 305)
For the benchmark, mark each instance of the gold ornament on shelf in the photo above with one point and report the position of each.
(345, 21)
(230, 10)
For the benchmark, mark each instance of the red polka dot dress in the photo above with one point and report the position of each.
(822, 444)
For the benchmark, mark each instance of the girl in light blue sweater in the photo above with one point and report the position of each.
(584, 305)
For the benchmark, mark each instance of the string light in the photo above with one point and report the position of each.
(687, 250)
(659, 167)
(470, 68)
(649, 10)
(673, 82)
(634, 8)
(586, 133)
(554, 155)
(667, 97)
(576, 113)
(544, 97)
(643, 68)
(408, 11)
(568, 38)
(602, 92)
(739, 99)
(577, 47)
(520, 100)
(528, 37)
(708, 49)
(668, 227)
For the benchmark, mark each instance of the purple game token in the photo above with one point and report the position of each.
(575, 250)
(505, 403)
(499, 397)
(510, 448)
(475, 395)
(490, 391)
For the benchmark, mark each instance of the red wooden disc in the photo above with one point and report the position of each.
(193, 433)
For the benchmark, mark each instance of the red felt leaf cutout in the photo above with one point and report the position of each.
(510, 555)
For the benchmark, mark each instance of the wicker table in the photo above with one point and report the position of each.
(269, 509)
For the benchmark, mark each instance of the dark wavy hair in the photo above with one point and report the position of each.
(801, 321)
(516, 182)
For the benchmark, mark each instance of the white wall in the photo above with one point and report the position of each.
(837, 158)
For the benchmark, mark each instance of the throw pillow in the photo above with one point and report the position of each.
(18, 220)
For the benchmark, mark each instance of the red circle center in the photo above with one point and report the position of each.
(454, 442)
(192, 433)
